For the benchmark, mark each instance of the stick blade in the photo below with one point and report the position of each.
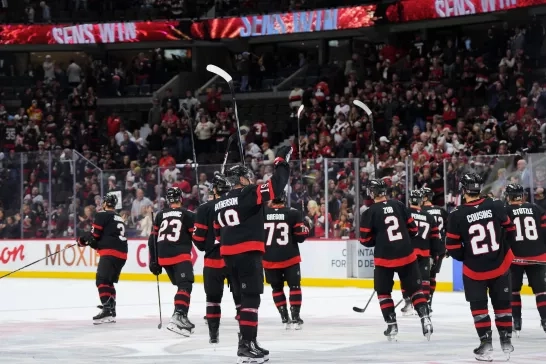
(300, 110)
(358, 309)
(220, 72)
(363, 106)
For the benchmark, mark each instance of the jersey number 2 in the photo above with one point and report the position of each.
(480, 242)
(392, 228)
(283, 229)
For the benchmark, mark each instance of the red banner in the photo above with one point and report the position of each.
(288, 23)
(413, 10)
(126, 32)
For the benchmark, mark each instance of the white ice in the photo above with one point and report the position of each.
(49, 321)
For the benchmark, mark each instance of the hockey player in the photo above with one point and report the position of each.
(441, 219)
(170, 247)
(388, 226)
(530, 244)
(239, 226)
(426, 244)
(214, 271)
(284, 229)
(474, 237)
(107, 236)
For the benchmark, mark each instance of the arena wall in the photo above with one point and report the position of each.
(325, 263)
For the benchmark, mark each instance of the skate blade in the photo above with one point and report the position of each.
(244, 360)
(428, 331)
(517, 333)
(104, 320)
(287, 326)
(297, 326)
(409, 313)
(177, 330)
(392, 338)
(485, 357)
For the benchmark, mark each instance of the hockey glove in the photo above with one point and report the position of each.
(81, 242)
(283, 154)
(92, 243)
(155, 268)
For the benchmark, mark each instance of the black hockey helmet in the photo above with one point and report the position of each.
(174, 194)
(427, 192)
(377, 187)
(221, 184)
(514, 192)
(237, 171)
(111, 200)
(471, 184)
(416, 197)
(280, 198)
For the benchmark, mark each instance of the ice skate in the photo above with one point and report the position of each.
(407, 310)
(426, 323)
(248, 353)
(284, 317)
(517, 325)
(297, 322)
(214, 332)
(429, 309)
(506, 343)
(484, 352)
(206, 321)
(107, 314)
(180, 324)
(543, 324)
(392, 328)
(264, 351)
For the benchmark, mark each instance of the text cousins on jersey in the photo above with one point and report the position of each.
(480, 215)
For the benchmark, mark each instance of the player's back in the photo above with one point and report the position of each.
(388, 226)
(530, 222)
(428, 232)
(174, 228)
(440, 215)
(109, 227)
(203, 234)
(479, 226)
(239, 218)
(284, 230)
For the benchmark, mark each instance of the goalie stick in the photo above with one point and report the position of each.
(226, 76)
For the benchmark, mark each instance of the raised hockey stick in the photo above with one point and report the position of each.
(193, 149)
(39, 260)
(300, 112)
(230, 140)
(227, 77)
(368, 112)
(362, 310)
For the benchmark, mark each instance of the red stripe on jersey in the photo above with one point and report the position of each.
(511, 228)
(396, 262)
(298, 225)
(506, 222)
(97, 226)
(112, 253)
(280, 265)
(491, 274)
(271, 191)
(245, 246)
(153, 233)
(539, 258)
(435, 236)
(365, 240)
(200, 226)
(302, 233)
(190, 230)
(453, 246)
(216, 225)
(214, 263)
(258, 196)
(174, 260)
(410, 220)
(248, 323)
(506, 310)
(422, 252)
(198, 238)
(479, 325)
(474, 203)
(365, 230)
(435, 228)
(96, 235)
(156, 228)
(543, 217)
(453, 236)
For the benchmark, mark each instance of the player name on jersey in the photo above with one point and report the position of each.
(419, 217)
(172, 214)
(434, 212)
(275, 217)
(234, 201)
(480, 215)
(523, 211)
(118, 218)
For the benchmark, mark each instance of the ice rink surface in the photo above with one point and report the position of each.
(49, 321)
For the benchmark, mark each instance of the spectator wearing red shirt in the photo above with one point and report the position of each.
(166, 159)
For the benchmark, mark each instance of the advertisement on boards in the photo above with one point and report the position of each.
(415, 10)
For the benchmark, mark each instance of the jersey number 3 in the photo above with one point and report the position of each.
(283, 230)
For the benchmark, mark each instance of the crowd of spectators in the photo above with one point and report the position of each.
(439, 109)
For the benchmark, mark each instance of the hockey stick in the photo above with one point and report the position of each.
(362, 310)
(300, 111)
(522, 261)
(226, 76)
(39, 260)
(368, 112)
(230, 140)
(193, 149)
(399, 303)
(157, 281)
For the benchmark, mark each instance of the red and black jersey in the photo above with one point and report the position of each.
(239, 215)
(284, 229)
(440, 215)
(203, 235)
(427, 242)
(171, 236)
(108, 229)
(389, 227)
(9, 135)
(530, 234)
(474, 236)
